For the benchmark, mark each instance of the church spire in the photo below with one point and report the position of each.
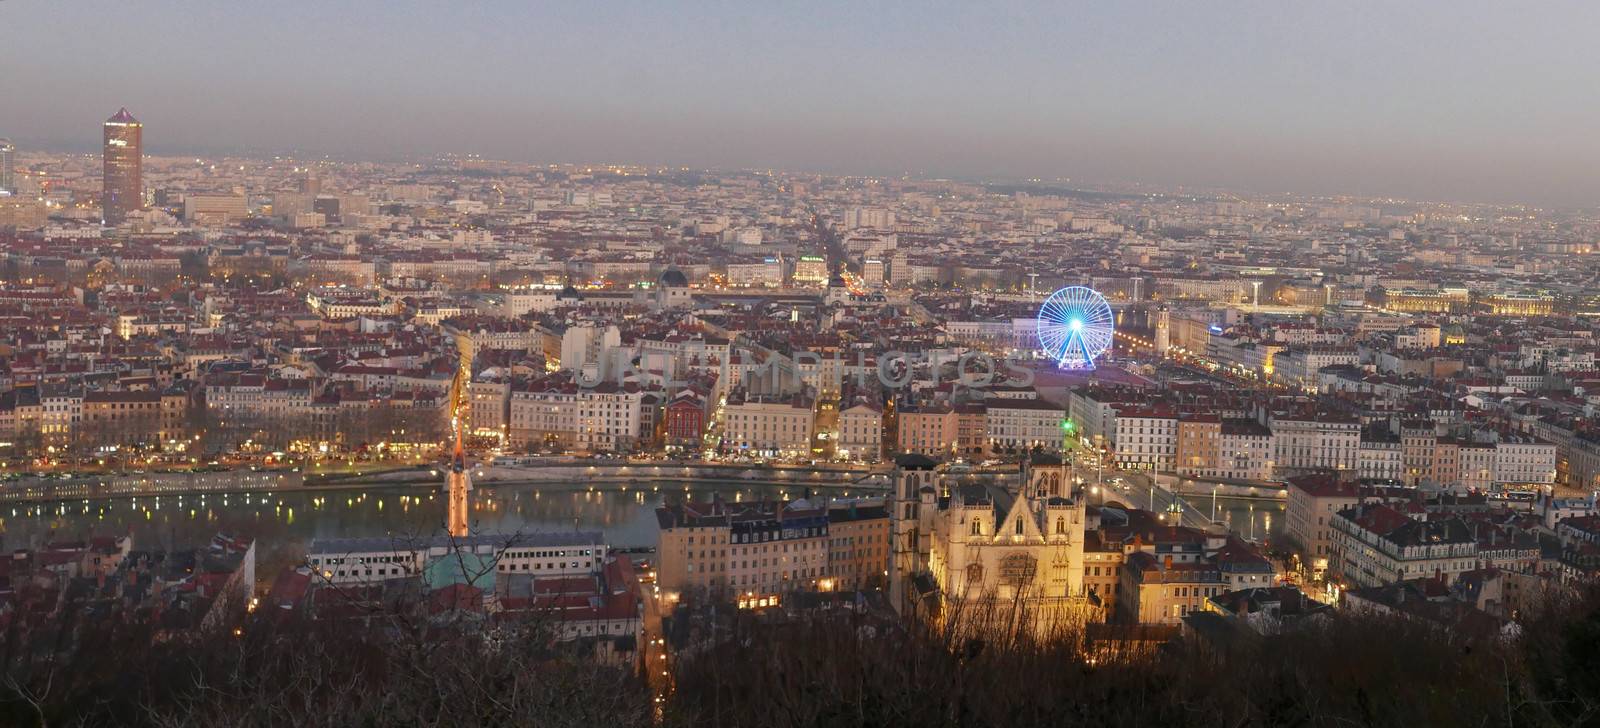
(457, 480)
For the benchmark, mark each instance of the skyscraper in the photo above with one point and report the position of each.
(122, 186)
(8, 168)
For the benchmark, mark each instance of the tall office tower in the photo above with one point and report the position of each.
(122, 184)
(8, 166)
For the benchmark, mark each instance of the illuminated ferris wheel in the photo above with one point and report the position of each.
(1075, 327)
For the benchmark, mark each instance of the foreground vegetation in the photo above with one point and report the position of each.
(833, 670)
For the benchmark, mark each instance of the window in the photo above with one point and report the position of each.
(1018, 569)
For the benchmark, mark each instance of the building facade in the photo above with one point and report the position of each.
(122, 159)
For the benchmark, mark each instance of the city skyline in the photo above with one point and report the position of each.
(667, 364)
(1049, 185)
(1415, 103)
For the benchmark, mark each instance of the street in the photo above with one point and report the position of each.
(653, 653)
(1137, 489)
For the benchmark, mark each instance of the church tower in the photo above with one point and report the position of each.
(913, 474)
(1163, 329)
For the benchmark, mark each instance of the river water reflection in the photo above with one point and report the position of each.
(284, 523)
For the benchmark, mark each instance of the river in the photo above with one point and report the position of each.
(284, 523)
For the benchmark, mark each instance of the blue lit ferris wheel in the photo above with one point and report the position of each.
(1075, 327)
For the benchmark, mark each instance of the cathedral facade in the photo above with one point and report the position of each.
(1009, 546)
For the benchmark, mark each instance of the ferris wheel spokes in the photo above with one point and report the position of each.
(1075, 327)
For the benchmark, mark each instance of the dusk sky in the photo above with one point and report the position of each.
(1430, 100)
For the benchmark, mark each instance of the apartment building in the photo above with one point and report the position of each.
(1310, 441)
(1146, 438)
(927, 429)
(861, 432)
(751, 553)
(1376, 544)
(1020, 425)
(768, 425)
(1316, 499)
(858, 545)
(144, 418)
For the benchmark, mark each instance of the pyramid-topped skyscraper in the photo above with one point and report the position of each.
(122, 182)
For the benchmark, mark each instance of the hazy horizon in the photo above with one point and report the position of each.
(1428, 101)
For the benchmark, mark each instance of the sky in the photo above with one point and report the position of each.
(1426, 99)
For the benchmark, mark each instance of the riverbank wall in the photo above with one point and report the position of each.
(142, 485)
